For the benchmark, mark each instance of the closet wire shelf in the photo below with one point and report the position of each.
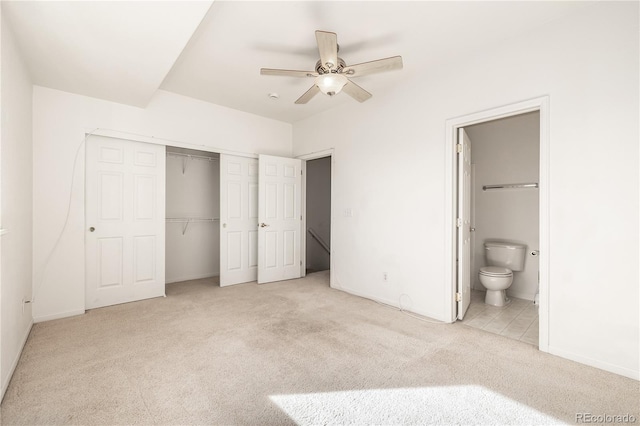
(187, 220)
(510, 186)
(186, 157)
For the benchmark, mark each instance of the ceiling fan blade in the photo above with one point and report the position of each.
(328, 48)
(308, 95)
(356, 92)
(287, 73)
(381, 65)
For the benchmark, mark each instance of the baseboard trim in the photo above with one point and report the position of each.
(389, 302)
(192, 277)
(59, 315)
(14, 364)
(519, 295)
(616, 369)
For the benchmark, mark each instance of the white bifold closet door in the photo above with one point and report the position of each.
(125, 221)
(260, 219)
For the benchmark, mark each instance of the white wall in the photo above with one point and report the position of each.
(59, 122)
(318, 211)
(195, 193)
(507, 151)
(16, 210)
(588, 65)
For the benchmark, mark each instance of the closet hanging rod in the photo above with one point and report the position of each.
(510, 186)
(179, 154)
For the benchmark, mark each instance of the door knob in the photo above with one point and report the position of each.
(262, 225)
(92, 229)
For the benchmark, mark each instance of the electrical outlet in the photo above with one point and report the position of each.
(24, 302)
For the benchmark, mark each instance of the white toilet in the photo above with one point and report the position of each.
(502, 259)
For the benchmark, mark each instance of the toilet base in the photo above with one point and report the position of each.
(496, 298)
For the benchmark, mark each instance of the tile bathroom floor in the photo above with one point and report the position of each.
(518, 320)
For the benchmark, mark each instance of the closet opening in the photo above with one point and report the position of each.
(192, 241)
(158, 214)
(318, 215)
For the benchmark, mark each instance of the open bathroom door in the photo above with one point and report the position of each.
(463, 295)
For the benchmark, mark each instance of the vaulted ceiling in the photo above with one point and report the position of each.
(124, 51)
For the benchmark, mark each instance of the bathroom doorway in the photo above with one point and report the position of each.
(504, 207)
(504, 165)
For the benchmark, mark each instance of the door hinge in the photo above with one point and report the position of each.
(459, 222)
(301, 263)
(300, 217)
(459, 148)
(458, 297)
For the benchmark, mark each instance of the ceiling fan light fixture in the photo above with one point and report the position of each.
(331, 83)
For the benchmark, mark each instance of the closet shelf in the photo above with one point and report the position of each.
(186, 157)
(191, 156)
(191, 219)
(510, 186)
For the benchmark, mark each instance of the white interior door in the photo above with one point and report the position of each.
(238, 219)
(279, 214)
(464, 222)
(125, 221)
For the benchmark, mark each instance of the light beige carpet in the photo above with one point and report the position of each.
(294, 351)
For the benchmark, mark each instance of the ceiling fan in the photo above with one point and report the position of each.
(332, 74)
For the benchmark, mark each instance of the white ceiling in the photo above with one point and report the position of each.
(119, 51)
(124, 51)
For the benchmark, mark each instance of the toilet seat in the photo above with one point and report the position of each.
(495, 271)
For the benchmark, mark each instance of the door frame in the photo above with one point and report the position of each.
(540, 104)
(303, 235)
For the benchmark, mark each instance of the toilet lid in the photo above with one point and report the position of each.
(495, 271)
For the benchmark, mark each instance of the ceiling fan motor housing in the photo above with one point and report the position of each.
(322, 69)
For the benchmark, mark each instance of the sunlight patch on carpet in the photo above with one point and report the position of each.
(434, 405)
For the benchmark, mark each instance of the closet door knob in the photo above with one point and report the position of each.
(262, 225)
(92, 229)
(224, 225)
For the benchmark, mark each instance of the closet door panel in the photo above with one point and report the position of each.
(238, 219)
(124, 215)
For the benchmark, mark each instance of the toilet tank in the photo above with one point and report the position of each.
(505, 254)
